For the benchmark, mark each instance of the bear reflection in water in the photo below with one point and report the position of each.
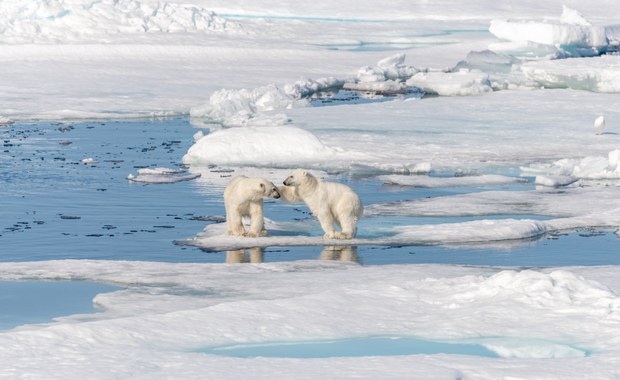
(257, 255)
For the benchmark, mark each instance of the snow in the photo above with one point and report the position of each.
(158, 321)
(511, 92)
(261, 146)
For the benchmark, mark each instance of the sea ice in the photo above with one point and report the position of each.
(591, 167)
(461, 82)
(573, 33)
(60, 20)
(162, 175)
(598, 74)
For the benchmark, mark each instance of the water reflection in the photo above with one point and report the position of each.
(257, 255)
(251, 255)
(340, 253)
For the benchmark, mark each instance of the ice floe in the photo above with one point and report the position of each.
(598, 74)
(572, 33)
(590, 168)
(468, 180)
(163, 314)
(235, 108)
(74, 20)
(162, 175)
(461, 82)
(277, 146)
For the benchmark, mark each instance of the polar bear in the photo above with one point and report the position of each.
(330, 202)
(244, 197)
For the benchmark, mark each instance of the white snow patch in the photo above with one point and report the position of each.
(259, 146)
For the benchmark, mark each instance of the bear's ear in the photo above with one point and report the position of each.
(304, 173)
(262, 185)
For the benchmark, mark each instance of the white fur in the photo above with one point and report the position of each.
(330, 202)
(244, 197)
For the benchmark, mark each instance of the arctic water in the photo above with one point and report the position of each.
(66, 195)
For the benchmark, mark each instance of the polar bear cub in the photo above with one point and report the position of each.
(330, 202)
(243, 197)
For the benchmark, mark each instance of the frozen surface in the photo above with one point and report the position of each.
(572, 32)
(168, 311)
(515, 194)
(599, 74)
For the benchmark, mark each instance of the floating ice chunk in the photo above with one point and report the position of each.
(585, 168)
(531, 349)
(462, 82)
(555, 181)
(431, 182)
(236, 108)
(598, 74)
(88, 161)
(613, 35)
(527, 50)
(572, 32)
(162, 175)
(480, 231)
(5, 121)
(198, 135)
(389, 68)
(571, 16)
(386, 77)
(487, 61)
(259, 146)
(599, 124)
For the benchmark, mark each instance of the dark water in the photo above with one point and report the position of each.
(55, 206)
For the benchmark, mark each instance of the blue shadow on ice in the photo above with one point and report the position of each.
(370, 346)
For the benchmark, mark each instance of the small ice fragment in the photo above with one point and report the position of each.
(88, 161)
(5, 121)
(599, 124)
(198, 135)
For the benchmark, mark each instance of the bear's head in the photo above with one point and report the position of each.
(268, 189)
(297, 178)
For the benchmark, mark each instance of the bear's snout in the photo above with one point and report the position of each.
(285, 182)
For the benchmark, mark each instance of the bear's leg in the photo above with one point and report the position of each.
(327, 224)
(256, 220)
(234, 223)
(349, 227)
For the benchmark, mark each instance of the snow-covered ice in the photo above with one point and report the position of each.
(517, 142)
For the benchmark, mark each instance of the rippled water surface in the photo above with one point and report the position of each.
(65, 194)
